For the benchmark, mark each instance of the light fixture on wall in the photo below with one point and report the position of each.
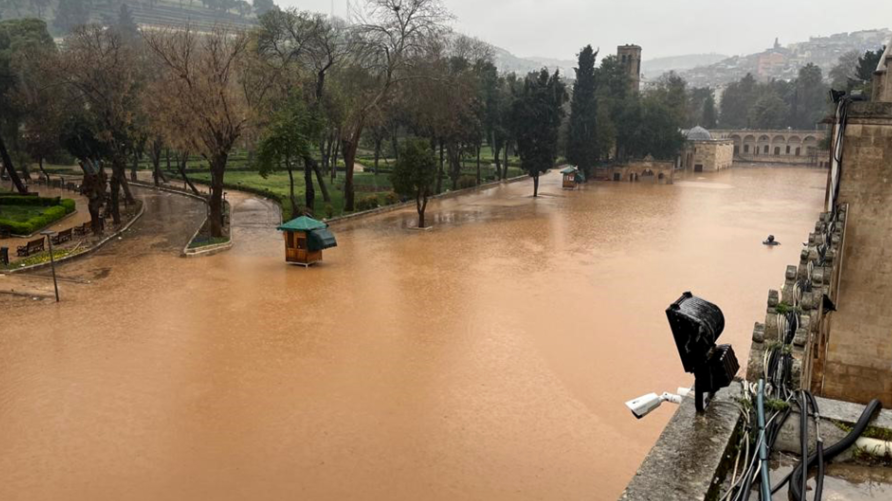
(696, 325)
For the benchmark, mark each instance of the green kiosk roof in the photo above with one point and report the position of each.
(303, 223)
(320, 239)
(569, 170)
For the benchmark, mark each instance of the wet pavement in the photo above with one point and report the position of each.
(487, 358)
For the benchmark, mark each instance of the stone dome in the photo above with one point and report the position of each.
(699, 134)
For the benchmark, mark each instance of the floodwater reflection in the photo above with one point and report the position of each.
(488, 358)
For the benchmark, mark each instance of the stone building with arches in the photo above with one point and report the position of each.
(786, 146)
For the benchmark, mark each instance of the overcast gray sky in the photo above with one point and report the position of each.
(559, 28)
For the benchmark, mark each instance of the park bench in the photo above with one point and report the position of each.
(83, 229)
(62, 237)
(32, 247)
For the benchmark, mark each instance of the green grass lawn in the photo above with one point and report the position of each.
(27, 218)
(367, 185)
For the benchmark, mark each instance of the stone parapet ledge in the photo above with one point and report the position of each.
(809, 337)
(693, 454)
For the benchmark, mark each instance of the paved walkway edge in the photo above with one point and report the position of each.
(87, 251)
(410, 203)
(205, 251)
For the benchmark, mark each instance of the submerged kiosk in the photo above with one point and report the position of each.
(305, 239)
(573, 177)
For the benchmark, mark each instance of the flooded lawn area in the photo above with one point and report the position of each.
(487, 358)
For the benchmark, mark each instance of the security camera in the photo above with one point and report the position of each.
(646, 404)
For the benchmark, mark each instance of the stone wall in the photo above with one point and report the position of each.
(707, 156)
(646, 170)
(882, 81)
(804, 287)
(858, 363)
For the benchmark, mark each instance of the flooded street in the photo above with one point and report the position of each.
(487, 358)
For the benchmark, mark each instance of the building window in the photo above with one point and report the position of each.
(746, 148)
(788, 150)
(777, 150)
(765, 150)
(798, 151)
(736, 150)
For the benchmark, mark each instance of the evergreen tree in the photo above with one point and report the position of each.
(125, 23)
(736, 102)
(415, 173)
(582, 141)
(709, 118)
(867, 64)
(808, 101)
(536, 117)
(72, 13)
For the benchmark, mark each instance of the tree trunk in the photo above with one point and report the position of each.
(440, 169)
(215, 219)
(134, 166)
(26, 174)
(119, 170)
(478, 165)
(310, 191)
(295, 207)
(394, 143)
(115, 196)
(420, 206)
(93, 187)
(349, 153)
(320, 178)
(505, 166)
(497, 156)
(378, 142)
(42, 170)
(13, 175)
(536, 185)
(181, 166)
(334, 158)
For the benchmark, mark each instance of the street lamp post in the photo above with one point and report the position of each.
(49, 236)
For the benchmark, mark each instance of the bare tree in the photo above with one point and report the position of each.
(101, 70)
(205, 94)
(390, 34)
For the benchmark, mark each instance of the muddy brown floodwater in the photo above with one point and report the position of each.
(488, 358)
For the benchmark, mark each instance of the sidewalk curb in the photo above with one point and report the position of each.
(87, 251)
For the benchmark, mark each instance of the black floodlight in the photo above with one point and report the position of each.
(696, 325)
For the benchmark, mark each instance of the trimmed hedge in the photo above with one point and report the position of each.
(56, 209)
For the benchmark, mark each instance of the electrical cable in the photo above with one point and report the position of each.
(835, 449)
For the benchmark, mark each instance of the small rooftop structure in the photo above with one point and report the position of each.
(305, 239)
(699, 134)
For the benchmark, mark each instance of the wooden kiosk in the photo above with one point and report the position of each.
(305, 239)
(573, 177)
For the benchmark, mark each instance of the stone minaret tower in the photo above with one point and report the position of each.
(630, 57)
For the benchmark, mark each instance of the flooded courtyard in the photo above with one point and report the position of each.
(487, 358)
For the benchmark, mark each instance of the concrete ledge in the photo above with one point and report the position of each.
(448, 194)
(89, 250)
(690, 459)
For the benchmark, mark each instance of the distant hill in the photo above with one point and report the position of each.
(653, 68)
(783, 62)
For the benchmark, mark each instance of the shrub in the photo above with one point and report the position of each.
(391, 198)
(30, 200)
(68, 204)
(367, 202)
(45, 217)
(329, 210)
(467, 182)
